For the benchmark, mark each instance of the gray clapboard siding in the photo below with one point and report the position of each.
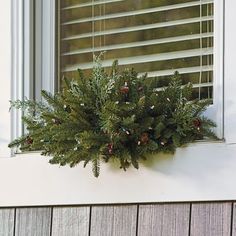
(113, 220)
(164, 220)
(33, 221)
(70, 221)
(211, 219)
(7, 222)
(234, 220)
(188, 219)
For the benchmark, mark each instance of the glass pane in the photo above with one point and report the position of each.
(153, 36)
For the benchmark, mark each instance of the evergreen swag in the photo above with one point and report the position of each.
(112, 116)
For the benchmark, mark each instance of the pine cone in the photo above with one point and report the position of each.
(144, 138)
(197, 123)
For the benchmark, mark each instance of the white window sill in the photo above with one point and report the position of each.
(199, 172)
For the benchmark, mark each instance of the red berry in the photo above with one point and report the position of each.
(110, 148)
(29, 140)
(124, 89)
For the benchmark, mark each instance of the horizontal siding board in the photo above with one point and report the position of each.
(211, 219)
(163, 220)
(113, 220)
(72, 221)
(206, 219)
(33, 221)
(233, 220)
(7, 222)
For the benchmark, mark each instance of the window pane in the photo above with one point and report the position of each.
(157, 37)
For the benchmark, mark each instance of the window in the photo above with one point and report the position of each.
(158, 37)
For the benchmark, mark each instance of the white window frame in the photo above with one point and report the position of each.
(201, 171)
(34, 55)
(45, 61)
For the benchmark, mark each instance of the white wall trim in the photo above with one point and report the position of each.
(230, 72)
(17, 66)
(49, 73)
(216, 112)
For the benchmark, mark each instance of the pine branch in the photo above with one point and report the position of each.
(96, 167)
(120, 116)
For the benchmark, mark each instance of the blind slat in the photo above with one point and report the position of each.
(188, 70)
(143, 27)
(138, 12)
(88, 4)
(139, 44)
(147, 58)
(202, 85)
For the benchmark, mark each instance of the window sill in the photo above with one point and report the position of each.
(199, 172)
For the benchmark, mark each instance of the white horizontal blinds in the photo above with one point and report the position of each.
(158, 37)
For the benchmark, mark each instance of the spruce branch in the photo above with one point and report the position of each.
(113, 116)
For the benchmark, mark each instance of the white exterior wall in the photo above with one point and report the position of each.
(5, 75)
(201, 171)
